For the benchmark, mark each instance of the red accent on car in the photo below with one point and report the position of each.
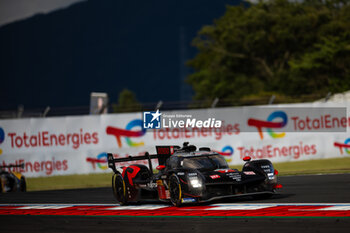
(215, 177)
(161, 192)
(277, 186)
(165, 150)
(183, 181)
(225, 170)
(275, 172)
(247, 158)
(190, 195)
(131, 175)
(160, 167)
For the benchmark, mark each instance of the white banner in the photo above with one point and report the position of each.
(78, 145)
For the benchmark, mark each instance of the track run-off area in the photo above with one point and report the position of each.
(215, 210)
(310, 203)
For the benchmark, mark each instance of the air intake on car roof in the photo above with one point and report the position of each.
(188, 148)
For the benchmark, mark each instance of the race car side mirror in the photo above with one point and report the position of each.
(247, 158)
(160, 167)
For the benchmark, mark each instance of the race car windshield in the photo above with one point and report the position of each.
(205, 162)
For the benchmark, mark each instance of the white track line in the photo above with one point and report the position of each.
(140, 207)
(39, 207)
(336, 208)
(241, 207)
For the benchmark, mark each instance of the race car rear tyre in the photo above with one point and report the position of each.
(175, 190)
(119, 189)
(23, 185)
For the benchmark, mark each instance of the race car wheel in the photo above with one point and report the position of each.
(119, 189)
(175, 190)
(23, 185)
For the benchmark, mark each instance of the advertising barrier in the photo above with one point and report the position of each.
(79, 144)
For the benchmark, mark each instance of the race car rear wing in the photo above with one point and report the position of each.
(163, 153)
(112, 161)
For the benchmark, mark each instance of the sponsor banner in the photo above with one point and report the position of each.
(79, 144)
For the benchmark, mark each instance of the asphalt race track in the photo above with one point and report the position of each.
(299, 207)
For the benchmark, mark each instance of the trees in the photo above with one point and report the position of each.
(289, 48)
(127, 102)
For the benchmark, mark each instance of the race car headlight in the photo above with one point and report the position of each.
(195, 182)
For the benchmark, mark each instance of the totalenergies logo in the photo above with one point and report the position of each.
(226, 151)
(100, 161)
(269, 124)
(128, 133)
(2, 138)
(344, 145)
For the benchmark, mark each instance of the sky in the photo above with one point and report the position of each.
(55, 53)
(14, 10)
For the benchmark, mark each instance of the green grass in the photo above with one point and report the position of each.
(324, 166)
(320, 166)
(69, 181)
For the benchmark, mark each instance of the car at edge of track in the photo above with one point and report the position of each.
(187, 175)
(12, 181)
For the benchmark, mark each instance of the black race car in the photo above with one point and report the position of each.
(11, 181)
(188, 175)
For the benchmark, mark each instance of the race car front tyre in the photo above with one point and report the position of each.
(175, 190)
(119, 189)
